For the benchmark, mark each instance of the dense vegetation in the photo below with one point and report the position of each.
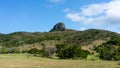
(109, 50)
(70, 36)
(63, 51)
(66, 51)
(61, 42)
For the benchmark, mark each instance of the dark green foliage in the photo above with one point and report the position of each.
(109, 50)
(88, 36)
(34, 51)
(61, 48)
(117, 54)
(106, 52)
(66, 51)
(114, 41)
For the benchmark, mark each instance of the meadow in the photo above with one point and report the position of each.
(23, 61)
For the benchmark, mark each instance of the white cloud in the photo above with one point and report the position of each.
(56, 1)
(75, 17)
(92, 10)
(97, 14)
(67, 10)
(83, 28)
(113, 9)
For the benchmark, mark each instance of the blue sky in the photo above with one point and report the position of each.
(42, 15)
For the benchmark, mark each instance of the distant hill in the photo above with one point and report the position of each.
(59, 34)
(88, 36)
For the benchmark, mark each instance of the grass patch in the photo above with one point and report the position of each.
(93, 58)
(21, 61)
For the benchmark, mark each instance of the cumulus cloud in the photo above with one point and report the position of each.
(93, 9)
(97, 14)
(75, 17)
(56, 1)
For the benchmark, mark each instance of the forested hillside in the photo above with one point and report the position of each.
(59, 35)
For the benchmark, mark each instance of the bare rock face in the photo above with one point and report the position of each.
(59, 27)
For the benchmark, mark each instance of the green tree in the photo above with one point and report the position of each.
(117, 54)
(66, 51)
(35, 52)
(109, 50)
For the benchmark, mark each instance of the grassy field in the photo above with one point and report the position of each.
(22, 61)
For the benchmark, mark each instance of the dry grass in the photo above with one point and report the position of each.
(29, 46)
(94, 43)
(21, 61)
(35, 45)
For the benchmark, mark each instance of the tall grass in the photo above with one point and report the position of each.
(22, 61)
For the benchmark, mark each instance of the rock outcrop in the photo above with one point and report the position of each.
(59, 27)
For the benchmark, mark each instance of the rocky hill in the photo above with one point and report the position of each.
(59, 27)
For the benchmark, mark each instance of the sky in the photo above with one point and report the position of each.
(42, 15)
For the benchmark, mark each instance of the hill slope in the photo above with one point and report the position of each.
(26, 39)
(73, 37)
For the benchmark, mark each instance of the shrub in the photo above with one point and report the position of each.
(66, 51)
(49, 50)
(109, 50)
(106, 52)
(5, 50)
(117, 54)
(35, 52)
